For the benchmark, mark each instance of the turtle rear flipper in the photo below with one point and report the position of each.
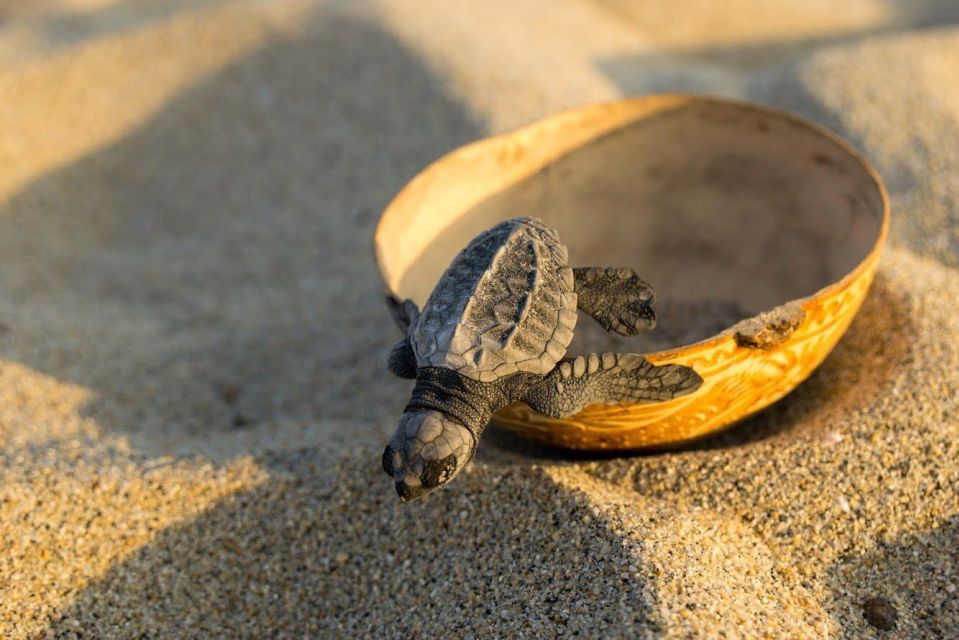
(618, 299)
(405, 313)
(610, 378)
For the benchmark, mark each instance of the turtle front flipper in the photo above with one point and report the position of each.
(610, 378)
(618, 299)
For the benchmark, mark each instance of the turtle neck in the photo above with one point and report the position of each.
(467, 401)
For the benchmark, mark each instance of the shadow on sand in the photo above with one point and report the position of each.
(218, 260)
(214, 253)
(266, 563)
(712, 68)
(56, 28)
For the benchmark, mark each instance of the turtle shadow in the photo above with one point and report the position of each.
(861, 367)
(209, 276)
(903, 589)
(265, 561)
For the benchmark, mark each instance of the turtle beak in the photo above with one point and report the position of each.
(408, 492)
(408, 485)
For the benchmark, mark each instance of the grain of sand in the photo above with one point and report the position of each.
(192, 396)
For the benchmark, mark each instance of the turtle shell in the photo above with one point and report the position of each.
(506, 304)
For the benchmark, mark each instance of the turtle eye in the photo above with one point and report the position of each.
(388, 461)
(392, 460)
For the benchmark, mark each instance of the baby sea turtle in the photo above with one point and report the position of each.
(495, 331)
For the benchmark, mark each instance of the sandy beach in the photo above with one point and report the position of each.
(193, 397)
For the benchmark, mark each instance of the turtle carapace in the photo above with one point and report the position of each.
(495, 331)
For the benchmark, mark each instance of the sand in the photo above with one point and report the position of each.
(192, 392)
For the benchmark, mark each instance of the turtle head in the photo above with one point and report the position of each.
(427, 451)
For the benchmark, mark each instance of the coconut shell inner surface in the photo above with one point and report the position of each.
(725, 209)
